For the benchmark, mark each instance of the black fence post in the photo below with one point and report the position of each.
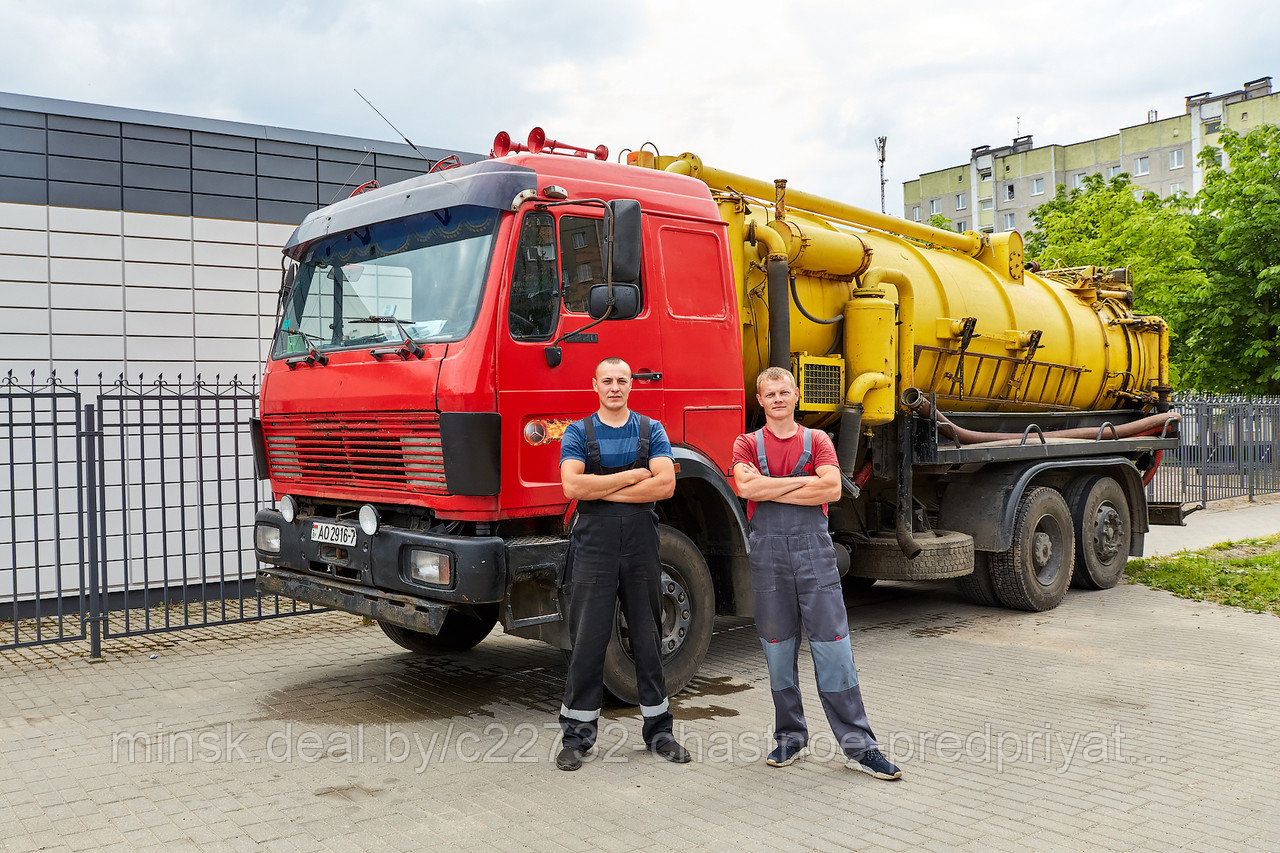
(91, 435)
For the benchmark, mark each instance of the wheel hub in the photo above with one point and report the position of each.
(677, 616)
(1107, 532)
(1042, 550)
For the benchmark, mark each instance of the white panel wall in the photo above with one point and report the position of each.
(144, 294)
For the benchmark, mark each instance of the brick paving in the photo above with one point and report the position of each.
(1124, 719)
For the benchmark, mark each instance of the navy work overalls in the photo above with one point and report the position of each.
(614, 548)
(796, 584)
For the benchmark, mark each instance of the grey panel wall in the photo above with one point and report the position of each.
(149, 243)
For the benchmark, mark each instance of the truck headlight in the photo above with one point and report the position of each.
(368, 519)
(429, 567)
(288, 508)
(266, 538)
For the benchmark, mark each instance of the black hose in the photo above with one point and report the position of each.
(902, 516)
(807, 315)
(779, 313)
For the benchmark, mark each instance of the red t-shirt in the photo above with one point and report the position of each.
(784, 453)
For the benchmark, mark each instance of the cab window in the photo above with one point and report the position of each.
(535, 285)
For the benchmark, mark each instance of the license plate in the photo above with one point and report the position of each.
(333, 534)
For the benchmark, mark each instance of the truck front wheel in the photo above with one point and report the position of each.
(1036, 570)
(461, 631)
(688, 614)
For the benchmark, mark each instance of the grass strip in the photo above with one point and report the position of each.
(1243, 573)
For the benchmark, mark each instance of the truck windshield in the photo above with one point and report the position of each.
(427, 271)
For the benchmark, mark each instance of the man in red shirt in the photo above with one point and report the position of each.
(789, 474)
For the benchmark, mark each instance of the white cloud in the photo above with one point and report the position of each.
(797, 90)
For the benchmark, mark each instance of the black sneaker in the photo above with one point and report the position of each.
(569, 758)
(785, 754)
(873, 762)
(669, 749)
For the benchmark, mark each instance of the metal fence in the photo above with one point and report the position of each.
(1230, 449)
(129, 506)
(130, 510)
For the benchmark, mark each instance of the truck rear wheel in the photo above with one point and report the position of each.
(977, 588)
(1103, 526)
(688, 615)
(461, 631)
(1036, 570)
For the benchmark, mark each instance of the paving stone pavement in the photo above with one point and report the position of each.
(1125, 719)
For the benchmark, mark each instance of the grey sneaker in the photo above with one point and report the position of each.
(873, 762)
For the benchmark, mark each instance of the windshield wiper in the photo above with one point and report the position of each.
(406, 349)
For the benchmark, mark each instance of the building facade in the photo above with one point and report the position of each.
(999, 187)
(146, 243)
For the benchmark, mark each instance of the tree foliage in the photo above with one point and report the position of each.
(1210, 265)
(940, 221)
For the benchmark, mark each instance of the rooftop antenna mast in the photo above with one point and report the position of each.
(880, 141)
(390, 125)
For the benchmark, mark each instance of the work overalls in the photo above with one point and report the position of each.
(796, 584)
(614, 556)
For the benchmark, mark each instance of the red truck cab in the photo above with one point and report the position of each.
(434, 341)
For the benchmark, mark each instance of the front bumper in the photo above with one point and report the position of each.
(479, 565)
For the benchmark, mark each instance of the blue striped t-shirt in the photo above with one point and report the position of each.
(617, 444)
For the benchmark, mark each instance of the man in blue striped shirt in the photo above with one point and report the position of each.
(615, 463)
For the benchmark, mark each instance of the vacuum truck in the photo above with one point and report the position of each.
(994, 425)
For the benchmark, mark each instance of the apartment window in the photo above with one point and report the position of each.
(961, 224)
(984, 175)
(1244, 116)
(915, 213)
(1010, 220)
(1213, 126)
(1142, 166)
(1174, 189)
(1112, 171)
(579, 240)
(1079, 180)
(984, 204)
(1008, 192)
(1175, 159)
(1037, 186)
(961, 201)
(935, 206)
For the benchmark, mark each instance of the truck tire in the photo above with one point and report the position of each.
(943, 554)
(1036, 570)
(1103, 525)
(688, 615)
(460, 632)
(977, 588)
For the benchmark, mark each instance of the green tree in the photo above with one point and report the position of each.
(1232, 320)
(940, 221)
(1116, 224)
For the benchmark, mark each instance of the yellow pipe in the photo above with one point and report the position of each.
(864, 385)
(769, 239)
(687, 164)
(906, 321)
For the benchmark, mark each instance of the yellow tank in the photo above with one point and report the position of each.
(971, 326)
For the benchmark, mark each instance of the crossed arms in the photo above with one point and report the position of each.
(804, 490)
(637, 486)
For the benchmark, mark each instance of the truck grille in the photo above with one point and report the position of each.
(360, 451)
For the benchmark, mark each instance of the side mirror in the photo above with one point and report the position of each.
(624, 242)
(626, 301)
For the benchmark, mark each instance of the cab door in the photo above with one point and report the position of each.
(558, 257)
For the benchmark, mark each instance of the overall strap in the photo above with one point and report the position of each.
(642, 445)
(807, 453)
(762, 460)
(593, 444)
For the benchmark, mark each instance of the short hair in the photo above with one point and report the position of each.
(612, 360)
(775, 374)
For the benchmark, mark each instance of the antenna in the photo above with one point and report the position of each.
(390, 125)
(1017, 126)
(880, 142)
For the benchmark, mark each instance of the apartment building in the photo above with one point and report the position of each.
(999, 187)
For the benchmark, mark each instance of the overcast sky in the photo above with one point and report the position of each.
(771, 89)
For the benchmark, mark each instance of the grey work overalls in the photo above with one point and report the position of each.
(796, 584)
(614, 557)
